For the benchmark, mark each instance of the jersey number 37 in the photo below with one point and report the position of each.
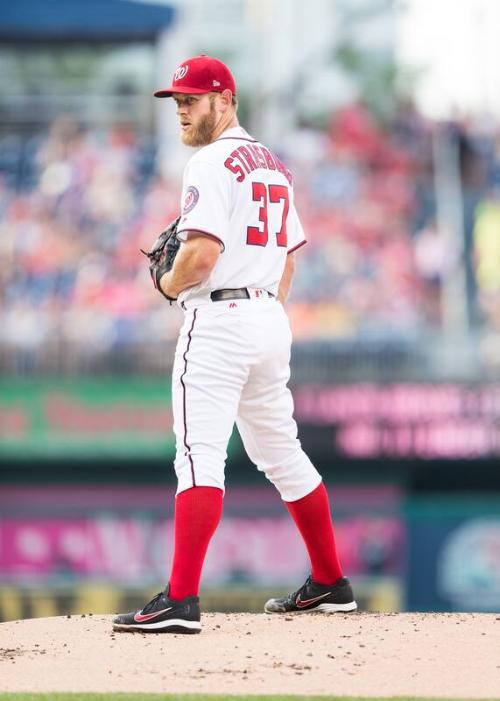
(266, 194)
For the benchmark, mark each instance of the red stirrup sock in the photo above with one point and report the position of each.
(197, 514)
(313, 519)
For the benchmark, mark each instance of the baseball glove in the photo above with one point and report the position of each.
(162, 255)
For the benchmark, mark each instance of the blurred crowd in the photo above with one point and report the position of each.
(73, 282)
(77, 204)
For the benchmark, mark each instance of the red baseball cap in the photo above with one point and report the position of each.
(200, 74)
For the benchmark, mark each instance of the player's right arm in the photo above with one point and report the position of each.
(295, 239)
(286, 278)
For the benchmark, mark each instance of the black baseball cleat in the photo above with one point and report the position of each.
(163, 615)
(315, 597)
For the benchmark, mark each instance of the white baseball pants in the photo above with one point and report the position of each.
(232, 363)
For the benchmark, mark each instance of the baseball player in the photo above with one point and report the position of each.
(238, 233)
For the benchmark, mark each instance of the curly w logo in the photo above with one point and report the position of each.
(181, 72)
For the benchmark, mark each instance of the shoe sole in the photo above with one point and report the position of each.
(322, 608)
(172, 626)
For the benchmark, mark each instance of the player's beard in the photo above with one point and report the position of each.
(201, 134)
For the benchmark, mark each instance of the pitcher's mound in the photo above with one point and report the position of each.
(357, 654)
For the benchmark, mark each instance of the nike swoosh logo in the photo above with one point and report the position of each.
(302, 603)
(143, 617)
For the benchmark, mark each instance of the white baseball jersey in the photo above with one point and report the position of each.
(236, 190)
(232, 358)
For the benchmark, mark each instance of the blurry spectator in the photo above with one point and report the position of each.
(72, 279)
(432, 259)
(487, 257)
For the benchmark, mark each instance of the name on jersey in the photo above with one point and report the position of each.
(245, 159)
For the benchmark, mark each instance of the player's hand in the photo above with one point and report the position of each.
(166, 287)
(162, 256)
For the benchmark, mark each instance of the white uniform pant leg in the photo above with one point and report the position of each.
(265, 416)
(206, 386)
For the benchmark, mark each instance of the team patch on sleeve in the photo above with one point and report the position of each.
(190, 200)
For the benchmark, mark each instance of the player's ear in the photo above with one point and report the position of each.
(226, 97)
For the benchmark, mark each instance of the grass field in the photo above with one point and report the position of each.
(201, 697)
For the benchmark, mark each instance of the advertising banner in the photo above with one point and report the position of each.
(125, 536)
(454, 554)
(424, 421)
(74, 418)
(125, 417)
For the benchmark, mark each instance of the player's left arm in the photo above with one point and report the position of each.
(195, 261)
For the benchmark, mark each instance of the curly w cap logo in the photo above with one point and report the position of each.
(192, 197)
(181, 72)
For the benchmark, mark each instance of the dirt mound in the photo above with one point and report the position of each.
(365, 654)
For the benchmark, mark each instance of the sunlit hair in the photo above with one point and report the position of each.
(234, 100)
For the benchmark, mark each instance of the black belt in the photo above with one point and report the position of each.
(239, 293)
